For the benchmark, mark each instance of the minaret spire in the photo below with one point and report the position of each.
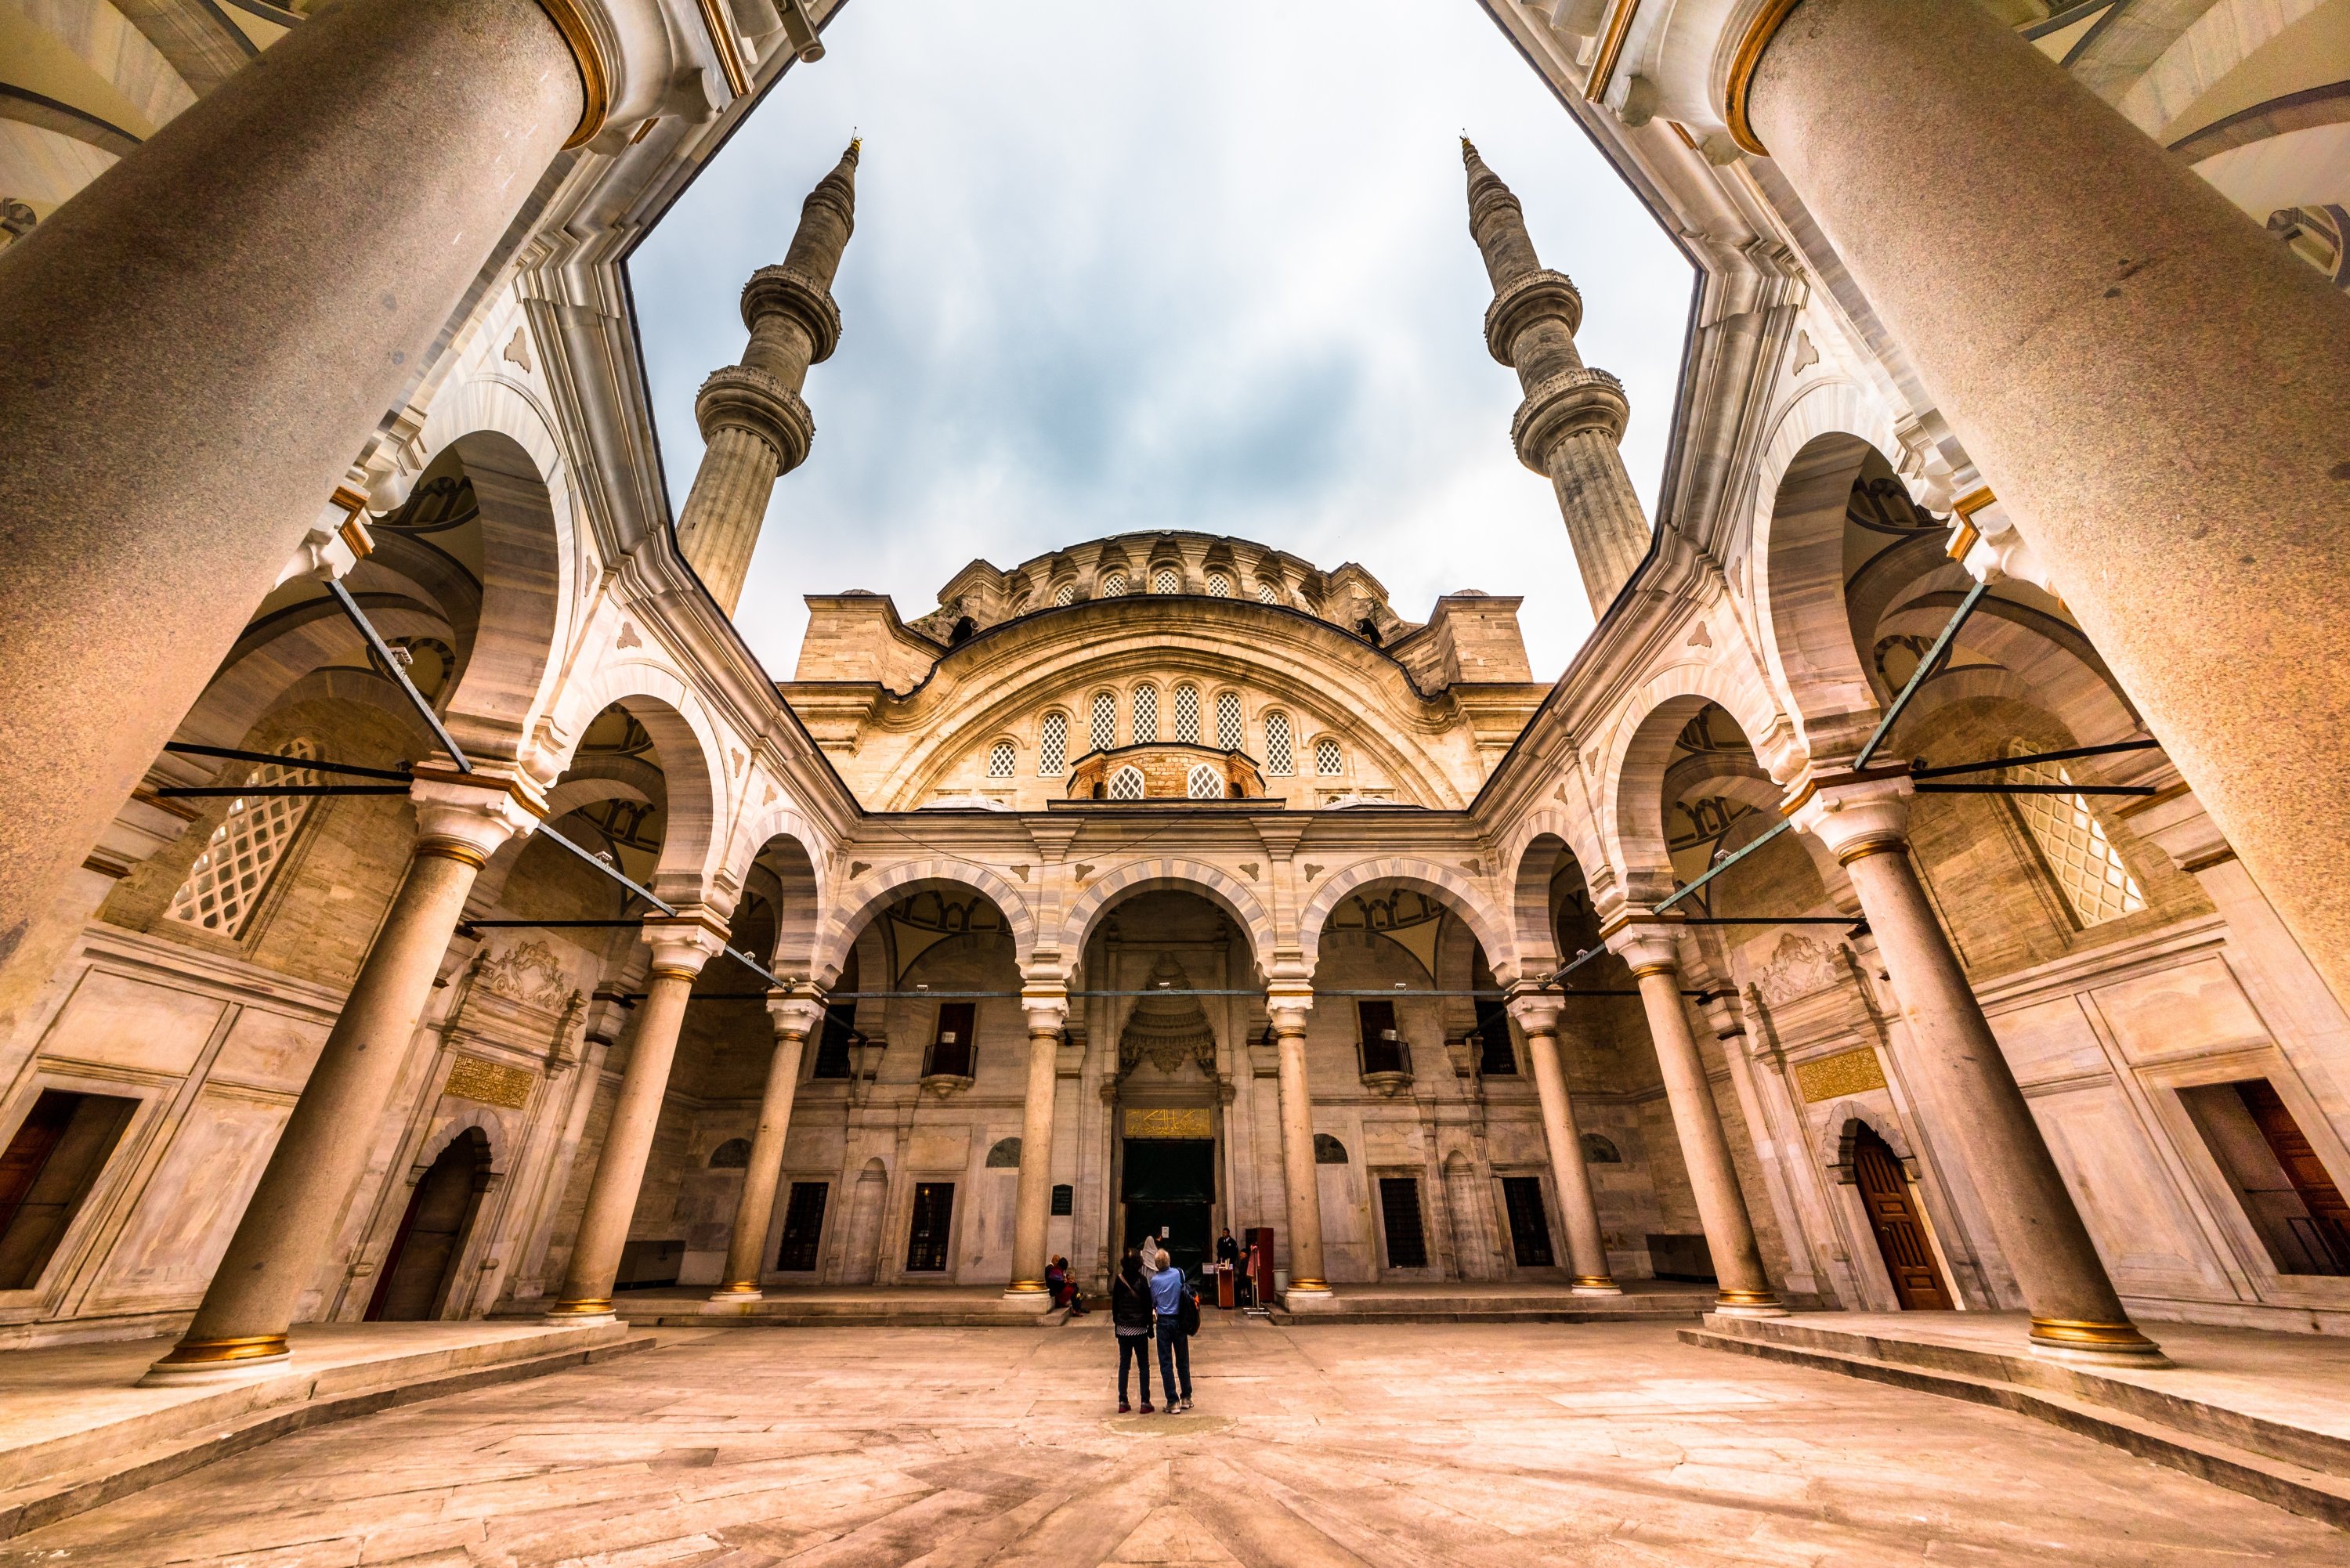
(750, 415)
(1573, 417)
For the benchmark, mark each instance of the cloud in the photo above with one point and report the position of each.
(1119, 267)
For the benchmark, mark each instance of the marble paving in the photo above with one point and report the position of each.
(1420, 1446)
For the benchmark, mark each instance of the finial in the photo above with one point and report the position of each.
(1468, 148)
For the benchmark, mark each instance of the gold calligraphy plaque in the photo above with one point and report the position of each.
(1169, 1123)
(492, 1082)
(1846, 1073)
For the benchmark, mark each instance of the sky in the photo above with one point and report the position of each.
(1121, 267)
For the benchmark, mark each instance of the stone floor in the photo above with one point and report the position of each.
(1423, 1445)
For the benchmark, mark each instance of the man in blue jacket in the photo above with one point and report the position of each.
(1167, 1292)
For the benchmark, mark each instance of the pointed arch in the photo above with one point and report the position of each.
(1632, 775)
(692, 757)
(1218, 887)
(1450, 887)
(855, 906)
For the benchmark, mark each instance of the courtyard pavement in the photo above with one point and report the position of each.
(1421, 1446)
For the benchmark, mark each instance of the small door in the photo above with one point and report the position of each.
(926, 1240)
(1893, 1216)
(417, 1272)
(803, 1226)
(1529, 1221)
(2329, 1217)
(1399, 1207)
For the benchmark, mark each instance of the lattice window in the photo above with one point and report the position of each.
(1228, 721)
(1105, 722)
(1113, 586)
(1053, 745)
(1063, 596)
(1268, 594)
(1146, 715)
(1126, 784)
(1167, 580)
(1204, 783)
(1277, 758)
(1001, 759)
(1328, 760)
(225, 886)
(1187, 715)
(1219, 586)
(2089, 870)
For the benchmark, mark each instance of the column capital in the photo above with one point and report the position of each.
(797, 1011)
(1045, 1003)
(683, 942)
(1650, 947)
(1536, 1011)
(1288, 1002)
(1855, 814)
(467, 817)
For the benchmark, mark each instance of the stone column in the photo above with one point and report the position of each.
(2076, 1315)
(1745, 1290)
(1048, 1008)
(796, 1014)
(2157, 410)
(1587, 1252)
(209, 331)
(680, 946)
(1288, 1007)
(289, 1222)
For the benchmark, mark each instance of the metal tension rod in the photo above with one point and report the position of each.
(2034, 789)
(2066, 755)
(1917, 676)
(193, 791)
(1721, 865)
(617, 875)
(301, 764)
(400, 673)
(1771, 919)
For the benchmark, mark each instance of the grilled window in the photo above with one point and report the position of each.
(2089, 870)
(1220, 587)
(1187, 715)
(1126, 784)
(1268, 594)
(1053, 745)
(1167, 580)
(1228, 721)
(1105, 727)
(1001, 759)
(225, 885)
(1277, 758)
(1328, 760)
(1113, 585)
(1204, 783)
(1146, 715)
(1066, 594)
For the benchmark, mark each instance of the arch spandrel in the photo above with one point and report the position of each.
(855, 906)
(1219, 887)
(1455, 890)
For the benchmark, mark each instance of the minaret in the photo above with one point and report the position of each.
(1574, 416)
(750, 415)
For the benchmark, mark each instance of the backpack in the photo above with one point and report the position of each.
(1187, 1312)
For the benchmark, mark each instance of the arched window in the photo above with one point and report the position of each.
(1166, 580)
(1113, 585)
(1597, 1150)
(1104, 728)
(1277, 758)
(1328, 760)
(1228, 721)
(1328, 1150)
(1205, 783)
(1053, 745)
(1146, 715)
(1004, 1154)
(1268, 593)
(225, 886)
(1063, 596)
(2087, 868)
(734, 1153)
(1126, 784)
(1219, 586)
(1002, 757)
(1187, 715)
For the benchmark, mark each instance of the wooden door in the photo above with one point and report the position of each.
(1900, 1234)
(2329, 1216)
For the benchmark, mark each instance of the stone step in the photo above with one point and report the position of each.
(2321, 1494)
(62, 1493)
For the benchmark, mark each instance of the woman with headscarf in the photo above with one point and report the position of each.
(1130, 1317)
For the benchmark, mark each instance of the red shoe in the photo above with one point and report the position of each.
(1124, 1408)
(1146, 1408)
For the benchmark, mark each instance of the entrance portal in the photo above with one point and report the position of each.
(416, 1273)
(1893, 1216)
(1171, 1185)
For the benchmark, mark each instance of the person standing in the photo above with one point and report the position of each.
(1169, 1295)
(1131, 1314)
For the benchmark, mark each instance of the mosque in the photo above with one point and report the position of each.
(1915, 905)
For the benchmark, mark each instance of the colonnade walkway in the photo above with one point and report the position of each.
(1490, 1444)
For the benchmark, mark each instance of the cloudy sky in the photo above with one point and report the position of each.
(1119, 267)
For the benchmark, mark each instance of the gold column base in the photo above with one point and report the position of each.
(2076, 1334)
(1025, 1288)
(1309, 1285)
(218, 1352)
(599, 1307)
(1730, 1298)
(735, 1288)
(1595, 1282)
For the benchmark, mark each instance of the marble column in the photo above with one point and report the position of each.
(281, 1242)
(680, 946)
(199, 343)
(1587, 1252)
(2158, 410)
(1288, 1008)
(1048, 1010)
(2076, 1315)
(1744, 1290)
(796, 1014)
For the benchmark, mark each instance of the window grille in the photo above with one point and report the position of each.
(1187, 715)
(2089, 870)
(1066, 594)
(1053, 745)
(1146, 715)
(1204, 783)
(1277, 759)
(1105, 722)
(226, 884)
(1220, 587)
(1000, 760)
(1126, 784)
(1328, 760)
(1267, 594)
(1113, 586)
(1167, 580)
(1228, 721)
